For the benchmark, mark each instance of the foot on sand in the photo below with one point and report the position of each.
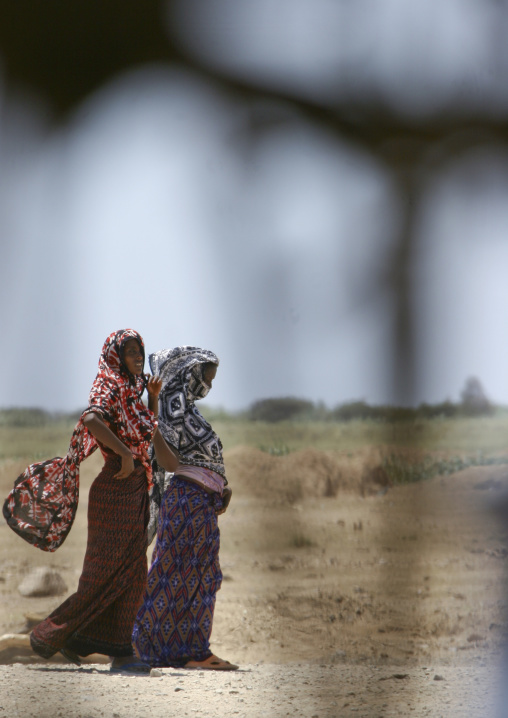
(212, 663)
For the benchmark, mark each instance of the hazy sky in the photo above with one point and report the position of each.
(151, 208)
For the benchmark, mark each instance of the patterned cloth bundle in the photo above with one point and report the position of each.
(42, 505)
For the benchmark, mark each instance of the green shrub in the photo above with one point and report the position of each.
(280, 409)
(277, 450)
(299, 540)
(433, 411)
(402, 469)
(24, 417)
(474, 400)
(352, 410)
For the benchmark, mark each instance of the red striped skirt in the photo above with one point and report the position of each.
(99, 617)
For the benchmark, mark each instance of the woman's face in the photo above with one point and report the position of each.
(209, 373)
(133, 357)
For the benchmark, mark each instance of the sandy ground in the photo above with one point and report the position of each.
(256, 690)
(340, 597)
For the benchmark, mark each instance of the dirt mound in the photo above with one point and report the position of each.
(304, 474)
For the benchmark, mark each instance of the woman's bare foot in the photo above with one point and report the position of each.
(212, 663)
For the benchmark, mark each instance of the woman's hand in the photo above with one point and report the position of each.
(226, 498)
(153, 388)
(103, 433)
(127, 466)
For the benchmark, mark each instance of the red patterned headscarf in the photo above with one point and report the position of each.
(116, 396)
(42, 505)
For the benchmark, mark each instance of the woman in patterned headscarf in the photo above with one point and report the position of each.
(98, 618)
(174, 624)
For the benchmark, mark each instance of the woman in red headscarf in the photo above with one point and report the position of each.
(99, 617)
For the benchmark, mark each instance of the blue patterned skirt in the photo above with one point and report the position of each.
(174, 623)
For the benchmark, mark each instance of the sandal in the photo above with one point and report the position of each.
(212, 663)
(71, 656)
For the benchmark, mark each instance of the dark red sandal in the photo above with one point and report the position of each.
(70, 656)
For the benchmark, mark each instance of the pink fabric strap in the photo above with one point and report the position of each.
(208, 478)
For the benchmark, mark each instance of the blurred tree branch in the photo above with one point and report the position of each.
(64, 51)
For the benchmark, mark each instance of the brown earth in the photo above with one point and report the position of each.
(348, 594)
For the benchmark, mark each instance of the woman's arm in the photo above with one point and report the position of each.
(153, 388)
(164, 455)
(103, 433)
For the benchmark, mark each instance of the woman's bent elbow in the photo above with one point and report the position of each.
(90, 418)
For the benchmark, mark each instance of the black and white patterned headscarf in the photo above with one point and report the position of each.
(180, 422)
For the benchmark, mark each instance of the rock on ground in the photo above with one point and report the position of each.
(42, 581)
